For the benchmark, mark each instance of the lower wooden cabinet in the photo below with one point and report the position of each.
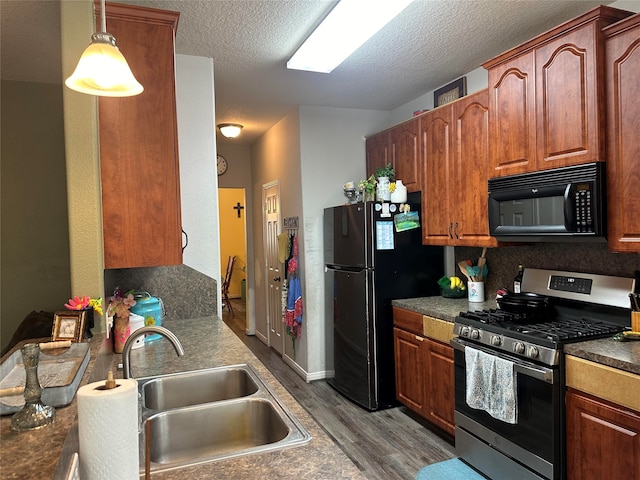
(424, 373)
(410, 370)
(603, 439)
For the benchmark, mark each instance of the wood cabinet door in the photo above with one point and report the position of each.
(139, 146)
(377, 151)
(569, 89)
(603, 440)
(410, 370)
(512, 117)
(436, 145)
(405, 153)
(408, 320)
(469, 202)
(622, 72)
(440, 393)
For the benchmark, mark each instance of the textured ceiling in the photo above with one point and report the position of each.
(250, 41)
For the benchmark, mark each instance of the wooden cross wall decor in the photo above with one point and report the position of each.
(238, 207)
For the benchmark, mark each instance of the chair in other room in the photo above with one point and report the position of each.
(226, 283)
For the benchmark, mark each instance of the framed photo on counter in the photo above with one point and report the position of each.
(453, 91)
(68, 325)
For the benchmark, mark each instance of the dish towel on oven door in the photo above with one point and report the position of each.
(491, 385)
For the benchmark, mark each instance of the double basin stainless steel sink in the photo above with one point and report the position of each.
(213, 414)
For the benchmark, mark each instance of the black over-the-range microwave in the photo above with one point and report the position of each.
(561, 204)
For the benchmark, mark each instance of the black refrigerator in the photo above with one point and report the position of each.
(372, 257)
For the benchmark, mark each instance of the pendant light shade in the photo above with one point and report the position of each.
(102, 69)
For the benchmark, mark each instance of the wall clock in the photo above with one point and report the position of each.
(222, 165)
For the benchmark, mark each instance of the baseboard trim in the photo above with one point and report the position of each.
(262, 337)
(306, 376)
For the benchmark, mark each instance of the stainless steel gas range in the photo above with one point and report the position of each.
(509, 370)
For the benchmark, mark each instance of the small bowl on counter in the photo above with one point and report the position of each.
(447, 291)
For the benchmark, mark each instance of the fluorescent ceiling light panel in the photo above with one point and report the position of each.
(343, 31)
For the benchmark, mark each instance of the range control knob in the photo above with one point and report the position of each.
(533, 352)
(475, 334)
(496, 340)
(464, 332)
(518, 347)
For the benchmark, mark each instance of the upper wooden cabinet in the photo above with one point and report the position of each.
(398, 146)
(377, 151)
(455, 148)
(405, 153)
(139, 145)
(545, 96)
(622, 72)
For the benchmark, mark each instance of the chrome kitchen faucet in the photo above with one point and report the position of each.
(126, 351)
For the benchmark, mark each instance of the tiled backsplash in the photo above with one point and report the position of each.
(574, 257)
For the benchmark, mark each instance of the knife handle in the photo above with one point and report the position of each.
(58, 344)
(7, 392)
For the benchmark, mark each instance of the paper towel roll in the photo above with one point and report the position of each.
(108, 431)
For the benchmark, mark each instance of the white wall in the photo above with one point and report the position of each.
(631, 5)
(197, 153)
(476, 80)
(275, 156)
(332, 150)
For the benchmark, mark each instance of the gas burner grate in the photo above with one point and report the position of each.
(563, 330)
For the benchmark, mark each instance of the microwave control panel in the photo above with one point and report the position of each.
(583, 208)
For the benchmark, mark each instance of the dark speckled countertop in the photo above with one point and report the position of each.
(207, 342)
(622, 355)
(440, 307)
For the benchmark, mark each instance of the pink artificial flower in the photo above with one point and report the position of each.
(77, 303)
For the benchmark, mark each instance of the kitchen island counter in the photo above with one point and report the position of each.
(207, 342)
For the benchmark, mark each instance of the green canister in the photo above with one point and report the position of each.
(152, 309)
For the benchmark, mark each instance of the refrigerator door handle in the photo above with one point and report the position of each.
(343, 268)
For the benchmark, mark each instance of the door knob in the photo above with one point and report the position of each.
(276, 279)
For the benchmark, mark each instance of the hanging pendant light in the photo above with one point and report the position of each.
(102, 69)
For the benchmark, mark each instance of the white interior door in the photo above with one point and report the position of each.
(274, 273)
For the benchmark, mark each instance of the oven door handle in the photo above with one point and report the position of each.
(526, 368)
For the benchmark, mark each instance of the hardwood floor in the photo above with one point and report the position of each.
(385, 445)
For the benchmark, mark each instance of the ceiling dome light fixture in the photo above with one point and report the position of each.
(230, 130)
(102, 70)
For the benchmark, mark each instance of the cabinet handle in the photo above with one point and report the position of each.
(186, 240)
(455, 230)
(450, 228)
(276, 279)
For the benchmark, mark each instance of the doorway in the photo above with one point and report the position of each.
(273, 267)
(233, 239)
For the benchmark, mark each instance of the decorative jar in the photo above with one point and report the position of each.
(399, 195)
(382, 191)
(121, 331)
